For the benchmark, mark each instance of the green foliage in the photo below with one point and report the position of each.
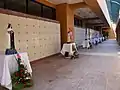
(21, 78)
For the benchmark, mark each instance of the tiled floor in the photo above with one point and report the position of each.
(96, 69)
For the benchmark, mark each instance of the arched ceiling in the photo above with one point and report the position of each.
(85, 13)
(92, 12)
(82, 12)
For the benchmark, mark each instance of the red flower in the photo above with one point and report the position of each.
(17, 74)
(21, 70)
(21, 75)
(22, 80)
(18, 56)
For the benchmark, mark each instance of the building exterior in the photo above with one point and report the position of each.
(42, 26)
(114, 10)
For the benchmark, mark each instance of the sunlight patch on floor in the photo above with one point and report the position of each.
(100, 54)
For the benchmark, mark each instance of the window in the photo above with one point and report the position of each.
(2, 3)
(78, 22)
(75, 21)
(30, 7)
(34, 8)
(16, 5)
(81, 23)
(54, 14)
(47, 12)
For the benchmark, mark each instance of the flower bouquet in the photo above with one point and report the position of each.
(21, 78)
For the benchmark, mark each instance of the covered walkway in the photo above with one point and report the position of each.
(96, 69)
(41, 27)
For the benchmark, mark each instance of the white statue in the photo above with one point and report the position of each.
(10, 32)
(10, 44)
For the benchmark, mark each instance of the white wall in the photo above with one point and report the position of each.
(93, 33)
(39, 38)
(79, 35)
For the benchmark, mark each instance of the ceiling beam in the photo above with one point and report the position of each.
(95, 24)
(78, 17)
(86, 19)
(94, 6)
(118, 25)
(102, 25)
(78, 5)
(105, 27)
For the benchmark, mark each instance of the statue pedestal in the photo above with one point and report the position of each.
(10, 51)
(69, 49)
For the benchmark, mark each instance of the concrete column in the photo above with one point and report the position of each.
(101, 32)
(111, 34)
(118, 36)
(65, 15)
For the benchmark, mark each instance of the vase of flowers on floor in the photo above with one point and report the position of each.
(21, 78)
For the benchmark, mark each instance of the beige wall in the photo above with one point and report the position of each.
(37, 37)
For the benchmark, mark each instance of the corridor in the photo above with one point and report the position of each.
(96, 69)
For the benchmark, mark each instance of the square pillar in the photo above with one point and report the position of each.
(65, 15)
(111, 33)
